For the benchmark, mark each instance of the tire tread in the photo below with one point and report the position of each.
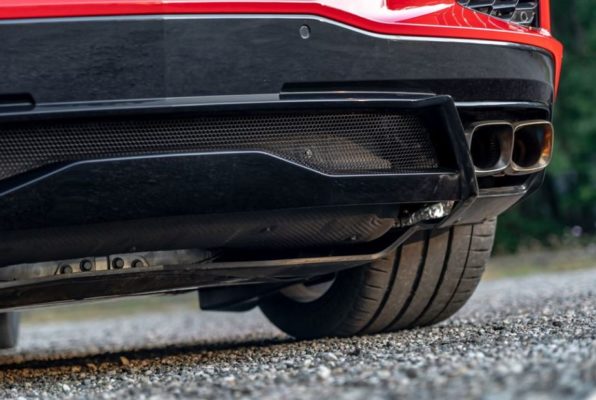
(428, 279)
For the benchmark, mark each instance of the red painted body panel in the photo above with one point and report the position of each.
(544, 20)
(436, 18)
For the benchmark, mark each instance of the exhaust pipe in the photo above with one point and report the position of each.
(499, 147)
(532, 147)
(491, 145)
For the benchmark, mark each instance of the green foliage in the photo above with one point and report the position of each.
(515, 230)
(568, 197)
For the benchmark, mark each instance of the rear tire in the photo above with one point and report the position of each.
(425, 281)
(9, 329)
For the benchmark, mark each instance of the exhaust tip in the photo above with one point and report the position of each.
(491, 144)
(532, 147)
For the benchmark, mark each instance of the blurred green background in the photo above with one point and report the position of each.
(563, 212)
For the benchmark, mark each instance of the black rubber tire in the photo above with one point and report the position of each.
(9, 329)
(425, 281)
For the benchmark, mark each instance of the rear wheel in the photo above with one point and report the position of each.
(425, 281)
(9, 329)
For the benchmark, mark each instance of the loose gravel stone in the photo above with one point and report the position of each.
(529, 338)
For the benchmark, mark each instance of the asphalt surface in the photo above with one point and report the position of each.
(531, 338)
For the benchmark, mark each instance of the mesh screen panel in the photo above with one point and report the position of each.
(339, 142)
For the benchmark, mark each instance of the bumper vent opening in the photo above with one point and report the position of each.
(338, 142)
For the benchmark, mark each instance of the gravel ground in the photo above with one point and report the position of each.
(529, 338)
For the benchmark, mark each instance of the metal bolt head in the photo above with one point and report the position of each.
(304, 31)
(86, 265)
(117, 263)
(66, 269)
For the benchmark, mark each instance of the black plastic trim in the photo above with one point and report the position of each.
(76, 62)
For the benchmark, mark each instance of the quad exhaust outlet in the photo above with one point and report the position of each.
(504, 148)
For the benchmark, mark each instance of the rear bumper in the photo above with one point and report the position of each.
(104, 198)
(64, 70)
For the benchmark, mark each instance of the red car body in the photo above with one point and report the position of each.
(243, 148)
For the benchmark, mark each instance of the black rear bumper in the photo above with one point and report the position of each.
(68, 81)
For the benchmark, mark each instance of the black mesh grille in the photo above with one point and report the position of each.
(523, 12)
(340, 142)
